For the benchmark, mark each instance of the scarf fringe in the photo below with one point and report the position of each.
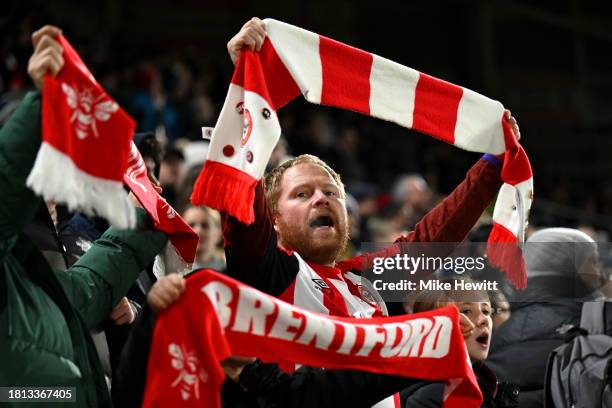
(78, 190)
(504, 253)
(170, 261)
(226, 189)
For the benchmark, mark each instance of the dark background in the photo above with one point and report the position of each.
(549, 61)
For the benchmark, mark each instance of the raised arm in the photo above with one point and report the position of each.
(453, 218)
(20, 138)
(252, 252)
(103, 275)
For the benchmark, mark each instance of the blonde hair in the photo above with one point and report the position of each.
(274, 177)
(434, 299)
(211, 213)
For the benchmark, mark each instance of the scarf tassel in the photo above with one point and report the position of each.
(226, 189)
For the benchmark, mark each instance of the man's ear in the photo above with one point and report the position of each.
(274, 216)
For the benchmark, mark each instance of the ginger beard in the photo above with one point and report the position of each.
(319, 247)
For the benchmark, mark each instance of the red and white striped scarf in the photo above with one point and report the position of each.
(179, 253)
(294, 61)
(218, 317)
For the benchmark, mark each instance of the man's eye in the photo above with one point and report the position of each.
(330, 193)
(486, 312)
(301, 194)
(466, 312)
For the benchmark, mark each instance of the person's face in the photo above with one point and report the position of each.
(480, 314)
(502, 313)
(311, 214)
(419, 194)
(169, 172)
(205, 227)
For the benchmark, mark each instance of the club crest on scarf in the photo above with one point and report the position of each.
(366, 295)
(190, 373)
(88, 108)
(170, 212)
(247, 127)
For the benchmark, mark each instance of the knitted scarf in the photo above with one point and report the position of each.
(324, 71)
(179, 253)
(218, 317)
(85, 145)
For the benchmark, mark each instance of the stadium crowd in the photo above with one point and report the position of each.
(78, 300)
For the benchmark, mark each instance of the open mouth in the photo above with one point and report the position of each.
(322, 221)
(483, 339)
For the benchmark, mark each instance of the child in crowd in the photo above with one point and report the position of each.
(476, 305)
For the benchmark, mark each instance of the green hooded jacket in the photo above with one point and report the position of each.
(45, 316)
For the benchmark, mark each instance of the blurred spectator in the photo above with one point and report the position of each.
(280, 154)
(500, 308)
(562, 268)
(413, 194)
(206, 222)
(169, 173)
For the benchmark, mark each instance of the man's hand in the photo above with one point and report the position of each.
(47, 56)
(167, 290)
(513, 124)
(123, 313)
(251, 35)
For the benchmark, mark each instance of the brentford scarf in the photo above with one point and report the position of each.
(218, 317)
(179, 253)
(294, 61)
(85, 145)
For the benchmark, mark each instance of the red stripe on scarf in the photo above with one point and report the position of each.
(270, 78)
(516, 163)
(344, 87)
(435, 107)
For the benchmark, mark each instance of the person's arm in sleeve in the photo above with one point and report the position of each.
(251, 250)
(312, 386)
(428, 395)
(103, 275)
(449, 221)
(20, 139)
(19, 143)
(453, 218)
(252, 253)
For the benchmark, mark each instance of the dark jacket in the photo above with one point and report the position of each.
(316, 387)
(45, 316)
(430, 394)
(521, 346)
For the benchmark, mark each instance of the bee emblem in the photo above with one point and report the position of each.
(87, 109)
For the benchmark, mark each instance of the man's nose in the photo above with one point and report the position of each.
(320, 199)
